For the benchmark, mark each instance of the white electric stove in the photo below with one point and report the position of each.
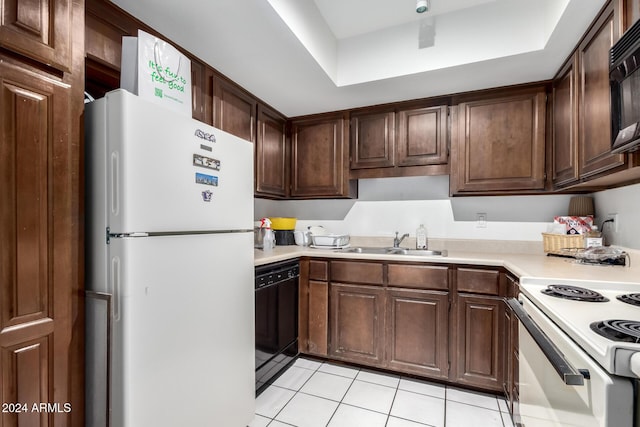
(596, 308)
(579, 353)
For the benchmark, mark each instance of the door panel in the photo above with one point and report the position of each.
(36, 267)
(39, 29)
(417, 336)
(357, 323)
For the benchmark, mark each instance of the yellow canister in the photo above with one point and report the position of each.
(279, 223)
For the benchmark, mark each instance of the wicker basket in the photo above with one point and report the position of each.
(557, 242)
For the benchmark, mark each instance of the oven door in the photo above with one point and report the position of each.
(559, 384)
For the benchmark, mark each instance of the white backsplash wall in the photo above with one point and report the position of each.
(624, 201)
(388, 205)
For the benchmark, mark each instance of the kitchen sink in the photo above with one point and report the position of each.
(393, 251)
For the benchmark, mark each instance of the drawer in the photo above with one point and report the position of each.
(357, 272)
(319, 270)
(418, 276)
(478, 281)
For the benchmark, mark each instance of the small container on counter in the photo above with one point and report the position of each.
(421, 237)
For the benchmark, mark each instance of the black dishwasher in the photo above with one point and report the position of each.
(276, 320)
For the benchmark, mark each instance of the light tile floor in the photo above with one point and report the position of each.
(316, 394)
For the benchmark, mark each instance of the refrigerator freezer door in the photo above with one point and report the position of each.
(183, 340)
(166, 172)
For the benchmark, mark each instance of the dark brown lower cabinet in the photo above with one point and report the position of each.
(435, 321)
(417, 333)
(478, 345)
(357, 323)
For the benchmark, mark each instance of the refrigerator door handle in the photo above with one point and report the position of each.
(114, 284)
(115, 173)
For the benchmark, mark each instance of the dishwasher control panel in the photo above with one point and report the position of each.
(276, 273)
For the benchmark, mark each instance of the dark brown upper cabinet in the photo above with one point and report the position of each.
(498, 143)
(234, 110)
(320, 157)
(399, 142)
(594, 108)
(271, 154)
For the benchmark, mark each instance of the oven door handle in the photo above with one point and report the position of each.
(568, 374)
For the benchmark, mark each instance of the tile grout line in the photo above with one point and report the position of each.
(392, 402)
(353, 380)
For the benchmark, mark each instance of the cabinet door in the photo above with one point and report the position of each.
(319, 157)
(422, 136)
(357, 323)
(595, 107)
(417, 333)
(38, 265)
(478, 345)
(272, 154)
(372, 140)
(234, 110)
(199, 98)
(565, 125)
(499, 144)
(40, 30)
(318, 332)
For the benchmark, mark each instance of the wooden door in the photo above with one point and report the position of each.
(422, 136)
(499, 144)
(594, 100)
(234, 110)
(478, 346)
(319, 157)
(272, 154)
(372, 140)
(40, 30)
(417, 332)
(565, 125)
(39, 262)
(357, 323)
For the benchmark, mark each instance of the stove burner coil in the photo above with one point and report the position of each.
(633, 299)
(618, 330)
(574, 293)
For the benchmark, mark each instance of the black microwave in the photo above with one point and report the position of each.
(624, 76)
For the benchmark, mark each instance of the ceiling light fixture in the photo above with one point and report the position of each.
(422, 6)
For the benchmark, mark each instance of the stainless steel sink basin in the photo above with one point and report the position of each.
(417, 252)
(392, 251)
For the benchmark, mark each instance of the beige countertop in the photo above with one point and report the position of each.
(520, 264)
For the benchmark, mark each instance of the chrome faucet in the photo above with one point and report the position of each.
(397, 241)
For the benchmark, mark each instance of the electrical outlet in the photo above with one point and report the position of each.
(481, 220)
(616, 221)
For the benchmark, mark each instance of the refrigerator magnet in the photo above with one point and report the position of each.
(206, 162)
(202, 178)
(206, 196)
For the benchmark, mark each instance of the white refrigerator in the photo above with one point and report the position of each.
(169, 269)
